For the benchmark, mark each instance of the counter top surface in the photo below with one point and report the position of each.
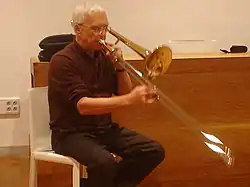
(184, 56)
(197, 55)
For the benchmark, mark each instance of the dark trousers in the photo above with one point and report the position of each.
(140, 155)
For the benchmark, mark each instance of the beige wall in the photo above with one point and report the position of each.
(25, 22)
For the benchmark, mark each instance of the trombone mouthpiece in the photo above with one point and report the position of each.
(102, 41)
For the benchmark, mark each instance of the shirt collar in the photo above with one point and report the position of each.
(91, 54)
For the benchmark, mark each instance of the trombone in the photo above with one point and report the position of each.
(157, 63)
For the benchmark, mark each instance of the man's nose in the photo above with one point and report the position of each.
(102, 35)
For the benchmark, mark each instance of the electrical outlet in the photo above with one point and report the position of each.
(9, 105)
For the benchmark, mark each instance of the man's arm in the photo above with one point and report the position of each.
(87, 105)
(124, 82)
(92, 106)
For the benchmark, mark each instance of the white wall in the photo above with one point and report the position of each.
(149, 23)
(14, 69)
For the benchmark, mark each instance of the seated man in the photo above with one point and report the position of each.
(84, 87)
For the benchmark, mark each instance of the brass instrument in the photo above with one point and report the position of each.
(157, 63)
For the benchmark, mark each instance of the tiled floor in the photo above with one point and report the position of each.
(14, 172)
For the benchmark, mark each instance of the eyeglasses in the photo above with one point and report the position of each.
(97, 29)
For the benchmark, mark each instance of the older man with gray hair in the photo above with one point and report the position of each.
(84, 87)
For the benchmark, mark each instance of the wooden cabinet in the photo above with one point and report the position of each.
(213, 89)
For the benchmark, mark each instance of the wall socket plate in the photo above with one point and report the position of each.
(9, 106)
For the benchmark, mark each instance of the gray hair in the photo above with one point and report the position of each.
(81, 11)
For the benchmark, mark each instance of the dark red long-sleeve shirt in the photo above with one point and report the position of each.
(73, 74)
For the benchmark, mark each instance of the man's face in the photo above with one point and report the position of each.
(94, 28)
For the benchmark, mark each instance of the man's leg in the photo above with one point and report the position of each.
(140, 156)
(86, 149)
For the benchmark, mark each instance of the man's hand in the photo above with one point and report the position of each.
(143, 94)
(114, 55)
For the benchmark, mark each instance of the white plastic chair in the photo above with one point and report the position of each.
(40, 137)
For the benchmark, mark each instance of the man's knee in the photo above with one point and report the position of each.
(158, 152)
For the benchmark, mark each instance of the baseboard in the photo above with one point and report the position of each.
(18, 151)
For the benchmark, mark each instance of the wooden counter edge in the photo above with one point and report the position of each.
(178, 56)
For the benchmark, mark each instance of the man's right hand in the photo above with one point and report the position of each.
(142, 94)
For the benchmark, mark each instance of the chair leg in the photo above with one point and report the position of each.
(76, 175)
(84, 173)
(33, 173)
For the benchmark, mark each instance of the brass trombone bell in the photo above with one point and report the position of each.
(155, 63)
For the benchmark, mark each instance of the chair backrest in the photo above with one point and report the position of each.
(40, 134)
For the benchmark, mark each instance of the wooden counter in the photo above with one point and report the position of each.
(39, 69)
(212, 88)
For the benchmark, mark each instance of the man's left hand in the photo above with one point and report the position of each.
(115, 55)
